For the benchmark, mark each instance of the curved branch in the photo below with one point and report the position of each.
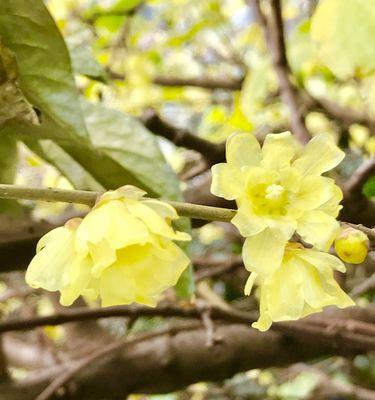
(274, 35)
(212, 152)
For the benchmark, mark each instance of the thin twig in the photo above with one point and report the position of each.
(326, 329)
(353, 187)
(274, 35)
(89, 198)
(212, 152)
(363, 287)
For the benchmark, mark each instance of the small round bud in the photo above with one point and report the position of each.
(352, 246)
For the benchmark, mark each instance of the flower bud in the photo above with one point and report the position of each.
(352, 246)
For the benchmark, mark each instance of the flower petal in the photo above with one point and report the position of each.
(117, 286)
(332, 206)
(154, 221)
(112, 222)
(318, 229)
(247, 222)
(264, 321)
(227, 181)
(285, 294)
(103, 255)
(320, 155)
(262, 253)
(124, 192)
(313, 289)
(165, 210)
(279, 150)
(80, 278)
(50, 268)
(250, 283)
(243, 149)
(320, 260)
(314, 192)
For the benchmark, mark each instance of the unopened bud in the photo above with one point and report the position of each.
(352, 246)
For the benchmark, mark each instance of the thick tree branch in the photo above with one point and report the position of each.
(212, 152)
(173, 360)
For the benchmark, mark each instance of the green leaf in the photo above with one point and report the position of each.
(368, 188)
(44, 71)
(70, 168)
(127, 142)
(343, 31)
(85, 63)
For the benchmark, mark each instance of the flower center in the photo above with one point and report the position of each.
(273, 192)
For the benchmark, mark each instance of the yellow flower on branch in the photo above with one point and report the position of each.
(124, 247)
(279, 189)
(301, 284)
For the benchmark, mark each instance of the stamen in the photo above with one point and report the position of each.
(274, 191)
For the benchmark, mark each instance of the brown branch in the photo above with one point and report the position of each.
(353, 334)
(353, 187)
(223, 268)
(347, 116)
(212, 152)
(206, 83)
(365, 286)
(4, 376)
(172, 361)
(107, 350)
(274, 34)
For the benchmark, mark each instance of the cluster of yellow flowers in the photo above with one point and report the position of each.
(121, 252)
(280, 192)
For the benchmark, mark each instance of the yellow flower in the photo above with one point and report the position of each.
(302, 284)
(352, 246)
(57, 265)
(279, 190)
(122, 252)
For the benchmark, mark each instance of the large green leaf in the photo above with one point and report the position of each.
(125, 141)
(44, 70)
(344, 32)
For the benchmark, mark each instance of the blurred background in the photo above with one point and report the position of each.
(179, 77)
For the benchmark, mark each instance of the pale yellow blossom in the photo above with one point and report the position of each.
(279, 190)
(301, 284)
(121, 252)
